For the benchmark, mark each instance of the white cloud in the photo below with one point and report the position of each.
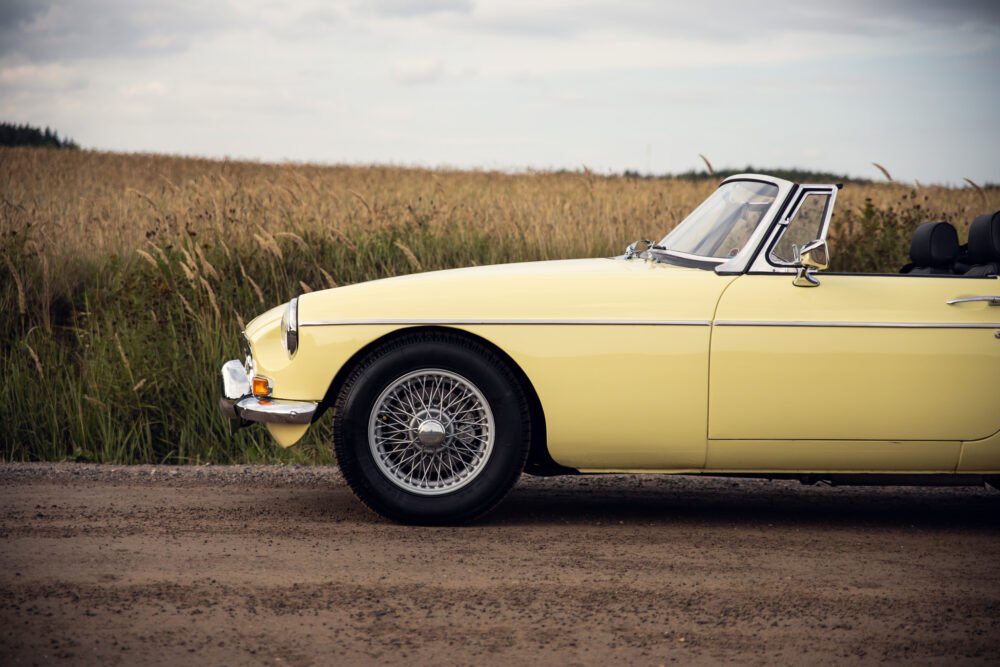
(49, 76)
(413, 8)
(51, 30)
(417, 71)
(145, 89)
(518, 83)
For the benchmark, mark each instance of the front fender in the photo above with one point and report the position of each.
(307, 375)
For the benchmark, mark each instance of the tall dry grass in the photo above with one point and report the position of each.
(126, 278)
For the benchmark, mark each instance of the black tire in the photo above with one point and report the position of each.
(428, 352)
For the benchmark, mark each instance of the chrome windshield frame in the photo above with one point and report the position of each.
(741, 262)
(687, 259)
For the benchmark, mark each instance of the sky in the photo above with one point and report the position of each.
(608, 85)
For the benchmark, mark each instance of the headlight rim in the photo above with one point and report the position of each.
(248, 365)
(290, 328)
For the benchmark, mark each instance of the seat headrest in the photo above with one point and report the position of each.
(984, 239)
(934, 244)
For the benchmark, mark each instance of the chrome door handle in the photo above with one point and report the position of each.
(991, 300)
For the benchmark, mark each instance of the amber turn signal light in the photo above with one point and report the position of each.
(261, 387)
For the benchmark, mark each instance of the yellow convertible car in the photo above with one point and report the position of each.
(723, 349)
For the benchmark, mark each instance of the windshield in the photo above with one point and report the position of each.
(722, 225)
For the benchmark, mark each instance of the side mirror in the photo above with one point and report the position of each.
(813, 256)
(637, 248)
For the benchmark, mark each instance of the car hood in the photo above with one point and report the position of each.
(587, 289)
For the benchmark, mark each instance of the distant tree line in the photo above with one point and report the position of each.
(794, 175)
(26, 135)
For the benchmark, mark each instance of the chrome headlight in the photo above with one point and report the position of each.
(290, 327)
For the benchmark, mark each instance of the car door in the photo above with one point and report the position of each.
(861, 373)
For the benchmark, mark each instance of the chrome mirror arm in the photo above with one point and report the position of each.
(813, 256)
(805, 278)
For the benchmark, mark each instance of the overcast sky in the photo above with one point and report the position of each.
(543, 84)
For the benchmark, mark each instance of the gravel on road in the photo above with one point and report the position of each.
(280, 565)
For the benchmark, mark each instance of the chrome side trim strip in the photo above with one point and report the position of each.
(640, 323)
(656, 323)
(859, 325)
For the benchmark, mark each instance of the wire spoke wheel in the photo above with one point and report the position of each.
(431, 428)
(431, 432)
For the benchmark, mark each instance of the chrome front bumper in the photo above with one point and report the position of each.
(240, 406)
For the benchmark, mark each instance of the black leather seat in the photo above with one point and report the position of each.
(984, 245)
(933, 250)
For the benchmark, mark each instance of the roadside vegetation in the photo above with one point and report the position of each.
(125, 279)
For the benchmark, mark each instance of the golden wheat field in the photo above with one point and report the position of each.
(125, 279)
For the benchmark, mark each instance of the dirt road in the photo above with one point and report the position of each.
(271, 565)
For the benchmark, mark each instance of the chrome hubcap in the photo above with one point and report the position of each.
(431, 432)
(431, 435)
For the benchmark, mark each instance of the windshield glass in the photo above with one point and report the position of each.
(722, 225)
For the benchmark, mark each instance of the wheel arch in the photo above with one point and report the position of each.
(539, 462)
